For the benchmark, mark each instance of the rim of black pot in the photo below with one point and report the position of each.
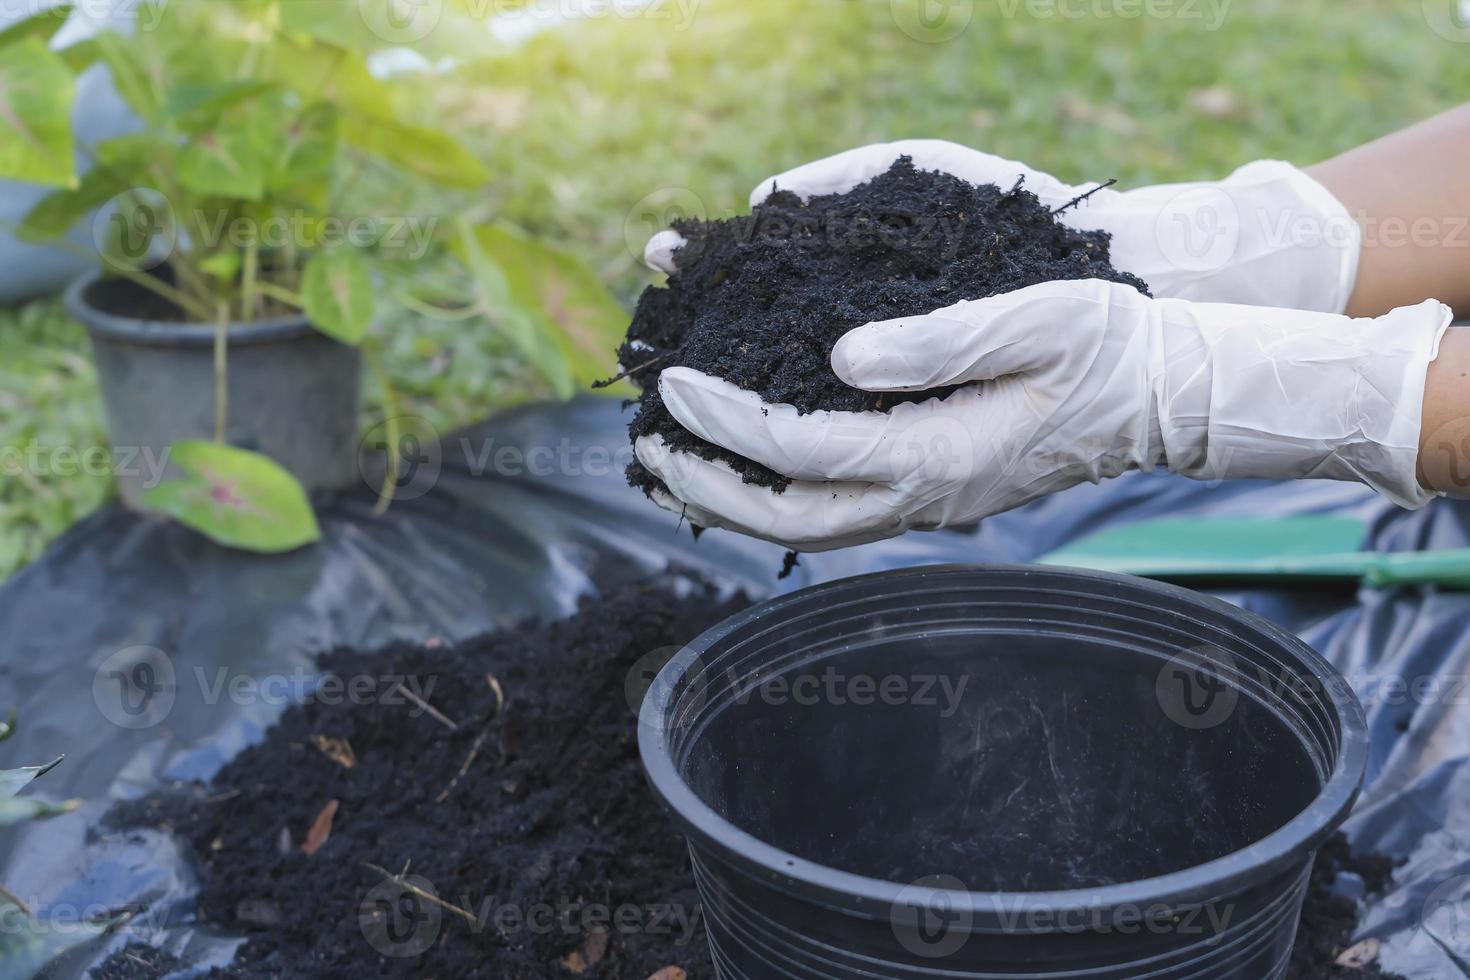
(1213, 880)
(173, 333)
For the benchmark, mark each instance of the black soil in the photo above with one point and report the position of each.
(1330, 918)
(552, 813)
(760, 300)
(534, 801)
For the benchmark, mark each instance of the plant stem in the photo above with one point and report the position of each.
(279, 294)
(432, 312)
(247, 280)
(391, 430)
(221, 370)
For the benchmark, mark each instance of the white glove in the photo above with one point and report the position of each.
(1066, 382)
(1267, 235)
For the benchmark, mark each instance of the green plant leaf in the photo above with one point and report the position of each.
(58, 212)
(42, 25)
(81, 56)
(223, 265)
(323, 73)
(337, 292)
(136, 64)
(12, 781)
(227, 162)
(27, 945)
(308, 159)
(494, 298)
(195, 106)
(416, 149)
(21, 809)
(563, 296)
(36, 89)
(237, 498)
(431, 29)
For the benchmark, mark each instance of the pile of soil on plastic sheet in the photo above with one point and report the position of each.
(1330, 918)
(760, 300)
(550, 838)
(532, 805)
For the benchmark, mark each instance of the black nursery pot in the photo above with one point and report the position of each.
(1002, 771)
(292, 391)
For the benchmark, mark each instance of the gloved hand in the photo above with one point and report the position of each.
(1066, 382)
(1267, 235)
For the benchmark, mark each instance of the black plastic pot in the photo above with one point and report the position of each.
(1121, 779)
(293, 392)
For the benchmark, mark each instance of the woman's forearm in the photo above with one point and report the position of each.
(1444, 439)
(1410, 194)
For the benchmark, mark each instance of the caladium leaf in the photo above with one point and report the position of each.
(237, 498)
(12, 781)
(493, 297)
(227, 161)
(197, 106)
(337, 292)
(416, 149)
(56, 213)
(41, 25)
(36, 90)
(137, 69)
(563, 296)
(321, 72)
(433, 29)
(27, 944)
(306, 163)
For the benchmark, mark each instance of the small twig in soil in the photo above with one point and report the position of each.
(425, 706)
(497, 690)
(479, 742)
(609, 382)
(1082, 197)
(426, 896)
(469, 760)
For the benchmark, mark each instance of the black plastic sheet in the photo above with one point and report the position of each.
(515, 518)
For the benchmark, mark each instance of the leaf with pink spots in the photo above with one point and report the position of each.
(235, 497)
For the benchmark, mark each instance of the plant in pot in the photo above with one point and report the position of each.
(237, 296)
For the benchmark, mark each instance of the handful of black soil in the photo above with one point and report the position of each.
(761, 300)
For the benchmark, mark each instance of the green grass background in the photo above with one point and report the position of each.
(601, 131)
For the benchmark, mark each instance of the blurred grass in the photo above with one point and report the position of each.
(581, 126)
(602, 131)
(50, 419)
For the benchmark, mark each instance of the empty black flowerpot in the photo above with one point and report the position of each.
(1002, 772)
